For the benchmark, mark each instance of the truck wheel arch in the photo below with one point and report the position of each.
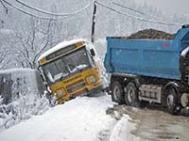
(172, 84)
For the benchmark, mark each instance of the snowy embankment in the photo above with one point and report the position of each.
(22, 109)
(82, 118)
(122, 130)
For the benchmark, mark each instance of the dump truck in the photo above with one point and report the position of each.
(150, 70)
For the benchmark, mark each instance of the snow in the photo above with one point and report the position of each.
(22, 96)
(22, 109)
(6, 31)
(122, 130)
(60, 46)
(17, 70)
(80, 67)
(23, 80)
(56, 14)
(82, 118)
(100, 47)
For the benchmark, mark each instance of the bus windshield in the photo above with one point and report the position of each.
(66, 65)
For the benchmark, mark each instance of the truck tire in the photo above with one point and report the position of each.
(131, 95)
(117, 92)
(172, 101)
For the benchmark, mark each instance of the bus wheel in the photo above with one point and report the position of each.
(172, 101)
(117, 92)
(131, 95)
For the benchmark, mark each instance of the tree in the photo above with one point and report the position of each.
(33, 42)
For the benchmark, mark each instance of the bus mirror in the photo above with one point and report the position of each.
(92, 52)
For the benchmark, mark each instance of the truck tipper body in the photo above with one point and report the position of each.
(151, 70)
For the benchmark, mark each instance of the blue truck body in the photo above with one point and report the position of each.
(147, 57)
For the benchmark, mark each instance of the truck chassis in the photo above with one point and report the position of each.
(136, 90)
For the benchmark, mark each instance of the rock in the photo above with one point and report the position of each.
(151, 34)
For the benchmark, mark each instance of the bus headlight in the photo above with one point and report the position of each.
(59, 93)
(91, 79)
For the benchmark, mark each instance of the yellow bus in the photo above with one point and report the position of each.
(69, 69)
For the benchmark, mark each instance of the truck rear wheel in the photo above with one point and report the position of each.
(131, 95)
(117, 92)
(172, 101)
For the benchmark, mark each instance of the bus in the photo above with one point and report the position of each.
(70, 69)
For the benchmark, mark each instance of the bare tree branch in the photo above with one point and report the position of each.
(33, 43)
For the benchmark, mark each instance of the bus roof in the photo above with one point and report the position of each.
(59, 46)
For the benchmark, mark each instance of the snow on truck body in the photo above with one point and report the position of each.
(21, 81)
(150, 70)
(70, 69)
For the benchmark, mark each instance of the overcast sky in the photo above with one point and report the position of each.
(170, 6)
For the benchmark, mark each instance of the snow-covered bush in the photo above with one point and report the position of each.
(21, 109)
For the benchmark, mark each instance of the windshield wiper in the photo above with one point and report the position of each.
(63, 76)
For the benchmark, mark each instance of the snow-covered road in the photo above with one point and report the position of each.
(148, 124)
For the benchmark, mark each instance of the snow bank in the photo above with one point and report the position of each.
(21, 109)
(100, 47)
(122, 130)
(22, 96)
(80, 119)
(6, 31)
(17, 70)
